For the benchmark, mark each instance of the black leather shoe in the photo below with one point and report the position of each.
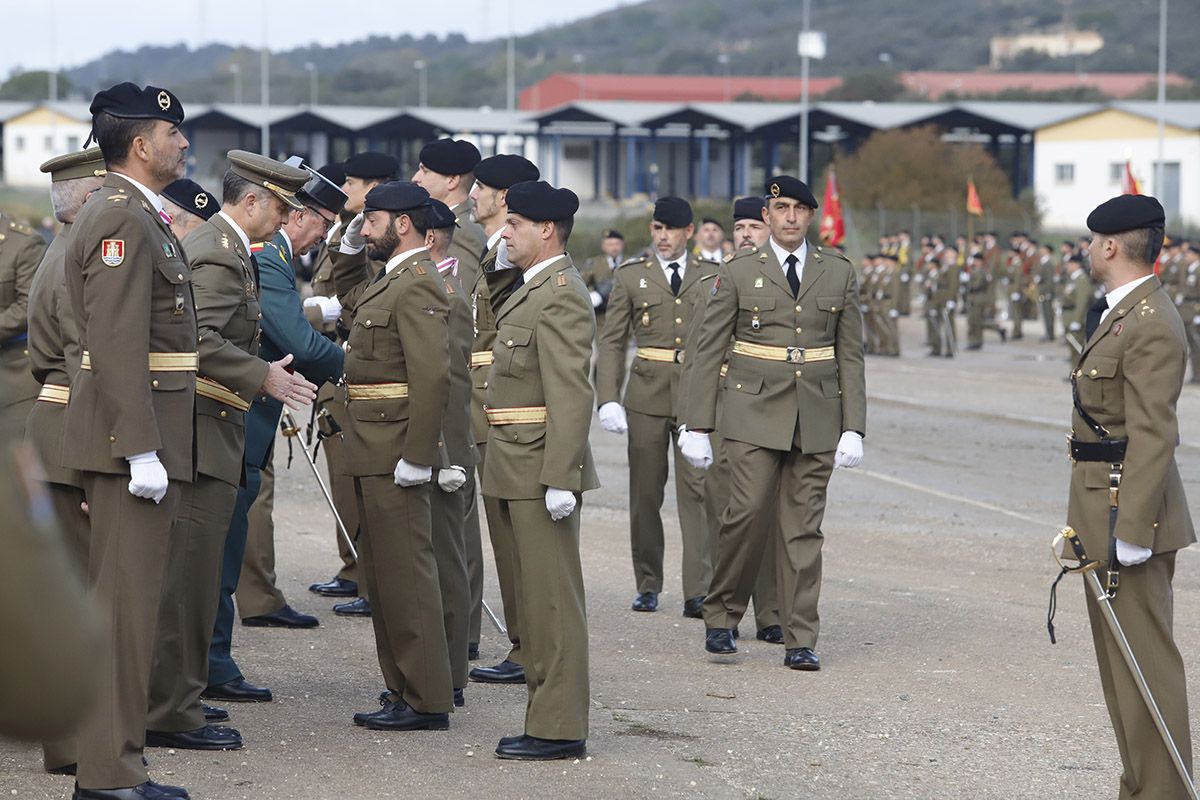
(210, 737)
(358, 607)
(504, 672)
(772, 634)
(286, 617)
(531, 748)
(238, 690)
(460, 699)
(143, 791)
(472, 651)
(335, 587)
(646, 601)
(802, 658)
(694, 608)
(214, 714)
(719, 640)
(400, 716)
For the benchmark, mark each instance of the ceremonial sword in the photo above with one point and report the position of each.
(289, 428)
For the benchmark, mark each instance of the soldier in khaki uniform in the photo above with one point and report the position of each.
(493, 177)
(54, 358)
(397, 387)
(1077, 297)
(1187, 299)
(794, 406)
(978, 294)
(887, 310)
(130, 414)
(597, 272)
(258, 193)
(653, 300)
(360, 173)
(539, 463)
(446, 170)
(21, 250)
(1126, 383)
(495, 284)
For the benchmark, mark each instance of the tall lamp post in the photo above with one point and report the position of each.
(311, 69)
(811, 45)
(422, 82)
(723, 59)
(236, 71)
(1160, 167)
(581, 62)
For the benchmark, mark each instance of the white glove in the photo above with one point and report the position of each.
(560, 503)
(612, 418)
(893, 313)
(696, 449)
(849, 451)
(1074, 326)
(352, 239)
(1016, 297)
(331, 309)
(596, 299)
(408, 474)
(1131, 554)
(1196, 320)
(147, 476)
(451, 479)
(950, 305)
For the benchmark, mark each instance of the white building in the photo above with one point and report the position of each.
(1080, 162)
(33, 136)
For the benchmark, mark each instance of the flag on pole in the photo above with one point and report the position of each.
(833, 225)
(1129, 184)
(974, 206)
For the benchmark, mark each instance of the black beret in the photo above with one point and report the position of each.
(396, 196)
(711, 221)
(787, 186)
(320, 189)
(502, 171)
(370, 166)
(190, 196)
(541, 202)
(748, 208)
(1127, 212)
(612, 233)
(440, 215)
(674, 212)
(450, 156)
(334, 172)
(130, 101)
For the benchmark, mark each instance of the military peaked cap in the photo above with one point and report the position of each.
(80, 164)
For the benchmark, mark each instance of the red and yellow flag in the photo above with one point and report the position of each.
(974, 206)
(1129, 184)
(833, 224)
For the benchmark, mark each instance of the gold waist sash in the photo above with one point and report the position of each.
(161, 362)
(519, 415)
(377, 391)
(790, 355)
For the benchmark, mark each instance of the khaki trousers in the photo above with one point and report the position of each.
(1145, 609)
(505, 551)
(341, 486)
(127, 563)
(650, 440)
(474, 552)
(447, 511)
(553, 617)
(256, 591)
(401, 573)
(188, 609)
(796, 484)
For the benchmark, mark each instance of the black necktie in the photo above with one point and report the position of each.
(518, 283)
(1093, 316)
(676, 281)
(792, 278)
(254, 265)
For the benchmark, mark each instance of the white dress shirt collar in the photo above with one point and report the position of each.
(495, 237)
(1121, 292)
(537, 268)
(394, 261)
(666, 265)
(288, 241)
(151, 196)
(800, 252)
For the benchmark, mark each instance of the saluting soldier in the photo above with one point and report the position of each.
(130, 415)
(361, 173)
(493, 177)
(256, 195)
(446, 170)
(794, 406)
(398, 386)
(21, 250)
(597, 272)
(539, 464)
(1126, 385)
(653, 300)
(188, 205)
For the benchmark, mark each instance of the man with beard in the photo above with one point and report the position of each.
(397, 386)
(447, 171)
(256, 194)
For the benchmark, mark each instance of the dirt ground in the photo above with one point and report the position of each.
(938, 678)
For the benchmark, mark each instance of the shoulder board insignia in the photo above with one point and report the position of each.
(225, 241)
(706, 277)
(419, 269)
(762, 256)
(631, 261)
(1, 237)
(730, 257)
(560, 280)
(118, 197)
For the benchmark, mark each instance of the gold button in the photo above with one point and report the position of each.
(485, 384)
(1078, 372)
(381, 415)
(678, 340)
(224, 413)
(347, 347)
(154, 384)
(368, 323)
(112, 439)
(181, 276)
(509, 343)
(1093, 372)
(260, 315)
(738, 386)
(798, 308)
(798, 373)
(799, 330)
(645, 304)
(756, 308)
(678, 321)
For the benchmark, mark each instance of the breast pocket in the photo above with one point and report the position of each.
(1098, 384)
(371, 336)
(752, 314)
(174, 303)
(512, 350)
(832, 308)
(647, 309)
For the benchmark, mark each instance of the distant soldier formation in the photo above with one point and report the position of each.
(449, 352)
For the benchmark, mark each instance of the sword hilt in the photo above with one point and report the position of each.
(288, 426)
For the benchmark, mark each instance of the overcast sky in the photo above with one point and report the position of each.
(80, 30)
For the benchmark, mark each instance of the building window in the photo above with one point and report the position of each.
(19, 143)
(1064, 174)
(72, 143)
(49, 143)
(577, 152)
(1116, 172)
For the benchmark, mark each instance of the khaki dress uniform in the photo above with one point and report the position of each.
(21, 250)
(597, 273)
(643, 306)
(1128, 380)
(491, 290)
(1187, 299)
(1045, 279)
(231, 374)
(979, 286)
(397, 388)
(131, 296)
(540, 406)
(887, 292)
(469, 244)
(795, 382)
(1077, 296)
